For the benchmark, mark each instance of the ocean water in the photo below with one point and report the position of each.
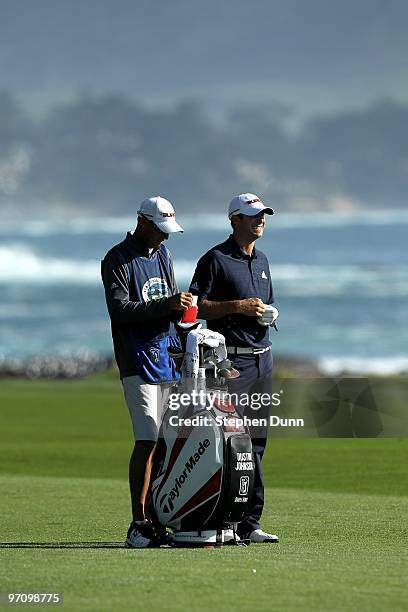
(340, 283)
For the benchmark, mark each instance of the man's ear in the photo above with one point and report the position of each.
(234, 220)
(141, 222)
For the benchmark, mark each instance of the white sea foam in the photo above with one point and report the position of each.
(198, 222)
(104, 225)
(44, 227)
(22, 264)
(19, 264)
(329, 219)
(364, 365)
(332, 280)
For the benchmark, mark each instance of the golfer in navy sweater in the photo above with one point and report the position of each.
(234, 289)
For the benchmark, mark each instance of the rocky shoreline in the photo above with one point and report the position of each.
(56, 367)
(82, 364)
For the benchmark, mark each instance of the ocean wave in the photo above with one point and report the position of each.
(383, 366)
(198, 222)
(398, 216)
(332, 280)
(38, 228)
(19, 264)
(326, 280)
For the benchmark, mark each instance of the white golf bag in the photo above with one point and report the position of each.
(203, 471)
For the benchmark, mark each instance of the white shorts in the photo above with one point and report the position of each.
(146, 404)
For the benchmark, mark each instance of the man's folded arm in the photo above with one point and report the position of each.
(212, 309)
(207, 277)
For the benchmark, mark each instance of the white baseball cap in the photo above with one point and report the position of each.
(161, 212)
(248, 204)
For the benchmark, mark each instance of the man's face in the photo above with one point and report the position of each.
(154, 237)
(251, 227)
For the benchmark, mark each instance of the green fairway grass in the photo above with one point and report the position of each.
(340, 507)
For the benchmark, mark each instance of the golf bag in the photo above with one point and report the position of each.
(203, 469)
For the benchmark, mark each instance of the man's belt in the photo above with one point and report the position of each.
(246, 350)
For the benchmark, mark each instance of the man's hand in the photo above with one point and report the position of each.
(251, 307)
(180, 301)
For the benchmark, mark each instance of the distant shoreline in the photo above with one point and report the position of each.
(76, 366)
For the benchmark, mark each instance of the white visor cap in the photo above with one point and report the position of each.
(161, 212)
(248, 204)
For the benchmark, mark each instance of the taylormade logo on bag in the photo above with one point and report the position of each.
(181, 479)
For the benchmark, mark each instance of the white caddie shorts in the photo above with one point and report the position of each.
(146, 404)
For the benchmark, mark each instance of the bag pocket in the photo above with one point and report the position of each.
(154, 363)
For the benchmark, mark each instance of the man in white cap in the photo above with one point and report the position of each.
(234, 289)
(142, 300)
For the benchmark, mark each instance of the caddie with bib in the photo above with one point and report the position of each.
(143, 300)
